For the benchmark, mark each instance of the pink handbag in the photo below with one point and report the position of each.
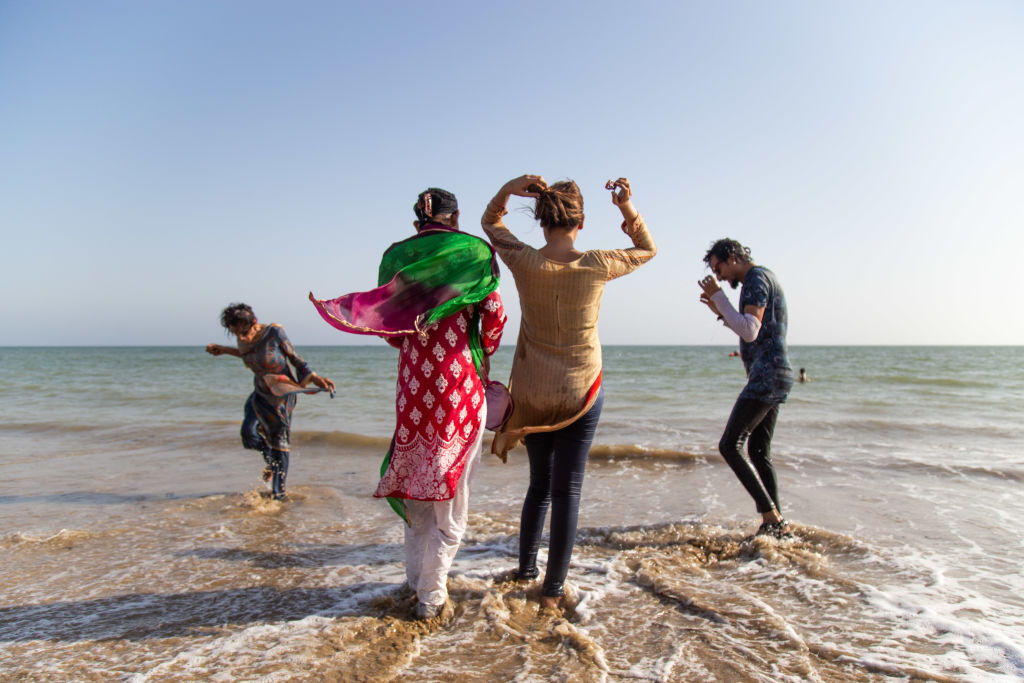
(499, 405)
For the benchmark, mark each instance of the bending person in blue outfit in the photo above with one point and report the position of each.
(266, 351)
(760, 323)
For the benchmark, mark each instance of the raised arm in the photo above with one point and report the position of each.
(746, 324)
(623, 261)
(221, 350)
(504, 242)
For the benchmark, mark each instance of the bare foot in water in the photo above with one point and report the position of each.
(552, 602)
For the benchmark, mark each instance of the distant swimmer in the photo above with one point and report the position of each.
(802, 377)
(266, 350)
(761, 325)
(734, 354)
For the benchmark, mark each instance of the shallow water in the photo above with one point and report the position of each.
(138, 543)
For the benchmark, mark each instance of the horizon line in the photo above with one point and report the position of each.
(363, 346)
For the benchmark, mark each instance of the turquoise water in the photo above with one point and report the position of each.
(900, 467)
(660, 397)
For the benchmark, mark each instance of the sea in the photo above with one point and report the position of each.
(138, 542)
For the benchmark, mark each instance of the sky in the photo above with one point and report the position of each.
(161, 159)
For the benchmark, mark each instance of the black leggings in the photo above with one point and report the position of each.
(756, 420)
(558, 461)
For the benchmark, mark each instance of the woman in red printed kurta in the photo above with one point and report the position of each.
(436, 299)
(440, 403)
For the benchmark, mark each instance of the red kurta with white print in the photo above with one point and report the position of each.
(439, 403)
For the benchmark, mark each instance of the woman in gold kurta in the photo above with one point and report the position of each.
(556, 371)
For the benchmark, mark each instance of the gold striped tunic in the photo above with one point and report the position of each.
(556, 371)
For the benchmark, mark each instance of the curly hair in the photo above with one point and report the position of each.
(559, 206)
(237, 314)
(724, 248)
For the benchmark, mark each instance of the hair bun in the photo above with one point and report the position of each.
(559, 205)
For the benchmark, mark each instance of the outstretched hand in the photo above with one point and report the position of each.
(621, 197)
(322, 382)
(214, 349)
(624, 190)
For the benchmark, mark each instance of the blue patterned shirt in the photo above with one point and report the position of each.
(769, 376)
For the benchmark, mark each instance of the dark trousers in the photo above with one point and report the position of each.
(753, 421)
(558, 461)
(276, 460)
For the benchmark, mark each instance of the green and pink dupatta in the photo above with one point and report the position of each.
(420, 281)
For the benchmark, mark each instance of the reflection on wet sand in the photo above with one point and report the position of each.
(261, 597)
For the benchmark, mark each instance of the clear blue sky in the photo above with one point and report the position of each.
(161, 159)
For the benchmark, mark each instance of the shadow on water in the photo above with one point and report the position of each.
(139, 616)
(96, 498)
(314, 555)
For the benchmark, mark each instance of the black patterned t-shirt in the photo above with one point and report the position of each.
(769, 375)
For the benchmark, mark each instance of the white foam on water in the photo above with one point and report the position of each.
(738, 589)
(63, 536)
(943, 610)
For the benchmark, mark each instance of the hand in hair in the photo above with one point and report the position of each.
(525, 186)
(624, 193)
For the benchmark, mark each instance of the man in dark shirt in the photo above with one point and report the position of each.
(761, 324)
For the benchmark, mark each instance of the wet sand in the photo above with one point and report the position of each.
(234, 586)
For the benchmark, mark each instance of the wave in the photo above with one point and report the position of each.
(340, 439)
(638, 452)
(715, 540)
(967, 471)
(918, 380)
(336, 439)
(896, 428)
(48, 427)
(62, 538)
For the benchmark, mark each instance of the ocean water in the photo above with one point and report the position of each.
(137, 542)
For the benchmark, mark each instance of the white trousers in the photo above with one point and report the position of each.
(434, 533)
